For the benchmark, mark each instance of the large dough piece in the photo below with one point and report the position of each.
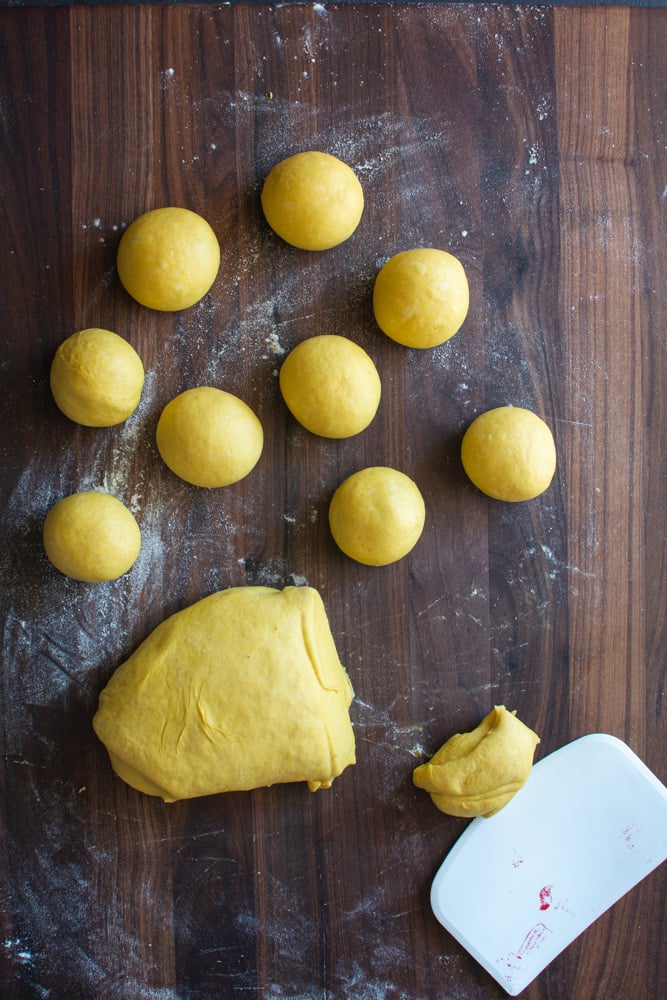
(240, 690)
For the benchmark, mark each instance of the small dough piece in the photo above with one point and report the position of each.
(313, 200)
(477, 773)
(331, 386)
(509, 454)
(421, 297)
(91, 537)
(240, 690)
(96, 378)
(168, 259)
(209, 437)
(377, 515)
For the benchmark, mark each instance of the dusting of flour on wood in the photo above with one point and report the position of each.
(61, 639)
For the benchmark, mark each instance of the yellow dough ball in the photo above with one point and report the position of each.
(377, 515)
(331, 386)
(96, 378)
(91, 537)
(509, 453)
(168, 259)
(421, 297)
(477, 773)
(312, 200)
(209, 437)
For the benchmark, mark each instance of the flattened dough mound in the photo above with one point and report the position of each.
(242, 689)
(477, 773)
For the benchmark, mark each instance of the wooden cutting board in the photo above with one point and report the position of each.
(527, 141)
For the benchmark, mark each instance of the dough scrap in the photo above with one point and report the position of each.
(240, 690)
(477, 773)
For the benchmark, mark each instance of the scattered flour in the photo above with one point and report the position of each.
(59, 638)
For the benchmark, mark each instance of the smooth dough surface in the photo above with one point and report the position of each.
(509, 453)
(331, 386)
(377, 515)
(91, 537)
(421, 297)
(477, 773)
(96, 378)
(168, 259)
(240, 690)
(209, 437)
(312, 200)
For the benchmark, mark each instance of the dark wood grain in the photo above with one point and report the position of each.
(529, 142)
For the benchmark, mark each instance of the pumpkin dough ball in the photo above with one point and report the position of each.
(96, 378)
(240, 690)
(421, 297)
(377, 515)
(312, 200)
(209, 437)
(477, 773)
(331, 386)
(91, 537)
(509, 453)
(168, 259)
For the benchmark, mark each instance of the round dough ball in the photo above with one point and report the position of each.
(312, 200)
(91, 537)
(96, 378)
(421, 297)
(509, 453)
(168, 259)
(377, 515)
(331, 386)
(209, 437)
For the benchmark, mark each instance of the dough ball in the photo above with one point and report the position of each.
(312, 200)
(91, 537)
(377, 515)
(96, 378)
(421, 297)
(168, 259)
(509, 453)
(331, 386)
(209, 437)
(240, 690)
(477, 773)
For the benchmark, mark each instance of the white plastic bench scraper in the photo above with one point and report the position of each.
(517, 888)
